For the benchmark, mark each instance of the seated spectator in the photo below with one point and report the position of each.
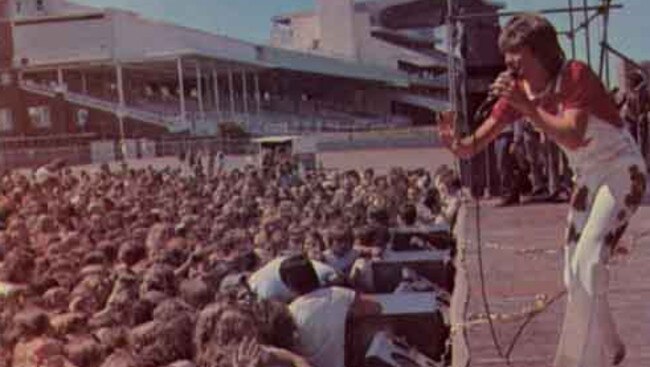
(378, 215)
(314, 245)
(448, 185)
(340, 253)
(369, 242)
(296, 239)
(407, 215)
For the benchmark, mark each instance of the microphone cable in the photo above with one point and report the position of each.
(479, 246)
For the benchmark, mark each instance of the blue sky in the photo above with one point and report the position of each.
(250, 19)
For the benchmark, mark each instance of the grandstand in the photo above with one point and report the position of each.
(70, 69)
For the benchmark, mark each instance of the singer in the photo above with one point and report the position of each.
(565, 100)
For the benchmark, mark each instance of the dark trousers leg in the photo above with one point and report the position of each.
(506, 165)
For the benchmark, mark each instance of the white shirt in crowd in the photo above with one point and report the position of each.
(321, 318)
(43, 174)
(267, 284)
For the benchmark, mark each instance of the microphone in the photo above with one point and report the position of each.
(486, 107)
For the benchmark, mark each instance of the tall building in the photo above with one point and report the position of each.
(402, 35)
(69, 69)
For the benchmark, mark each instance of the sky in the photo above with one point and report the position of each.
(250, 19)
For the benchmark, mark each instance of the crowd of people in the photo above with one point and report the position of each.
(239, 268)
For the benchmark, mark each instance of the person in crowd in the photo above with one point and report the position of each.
(448, 185)
(340, 253)
(636, 107)
(507, 145)
(285, 278)
(323, 317)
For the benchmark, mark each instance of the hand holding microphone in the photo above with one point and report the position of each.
(507, 86)
(506, 81)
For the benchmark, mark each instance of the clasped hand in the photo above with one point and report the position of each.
(507, 87)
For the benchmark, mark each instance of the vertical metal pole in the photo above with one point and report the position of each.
(607, 75)
(604, 65)
(121, 107)
(244, 91)
(181, 91)
(84, 83)
(585, 3)
(120, 86)
(232, 92)
(199, 91)
(215, 86)
(258, 98)
(451, 68)
(572, 30)
(59, 77)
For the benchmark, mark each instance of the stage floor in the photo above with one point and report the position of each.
(522, 260)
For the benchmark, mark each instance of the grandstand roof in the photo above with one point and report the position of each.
(140, 40)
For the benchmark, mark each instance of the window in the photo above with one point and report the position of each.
(5, 79)
(82, 117)
(19, 7)
(40, 6)
(6, 120)
(39, 116)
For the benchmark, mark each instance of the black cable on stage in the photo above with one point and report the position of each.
(480, 115)
(479, 245)
(530, 318)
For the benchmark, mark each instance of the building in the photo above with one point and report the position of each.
(109, 73)
(404, 36)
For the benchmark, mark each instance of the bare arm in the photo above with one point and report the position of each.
(364, 305)
(567, 130)
(283, 355)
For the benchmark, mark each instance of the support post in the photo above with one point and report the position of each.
(232, 92)
(121, 107)
(181, 92)
(572, 36)
(199, 91)
(587, 32)
(215, 86)
(244, 96)
(84, 83)
(60, 80)
(451, 68)
(244, 92)
(258, 98)
(605, 35)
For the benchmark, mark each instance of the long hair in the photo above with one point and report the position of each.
(538, 34)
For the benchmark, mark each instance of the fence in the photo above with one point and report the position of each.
(28, 154)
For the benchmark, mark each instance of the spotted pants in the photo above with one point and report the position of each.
(601, 207)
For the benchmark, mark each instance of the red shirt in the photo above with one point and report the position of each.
(577, 87)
